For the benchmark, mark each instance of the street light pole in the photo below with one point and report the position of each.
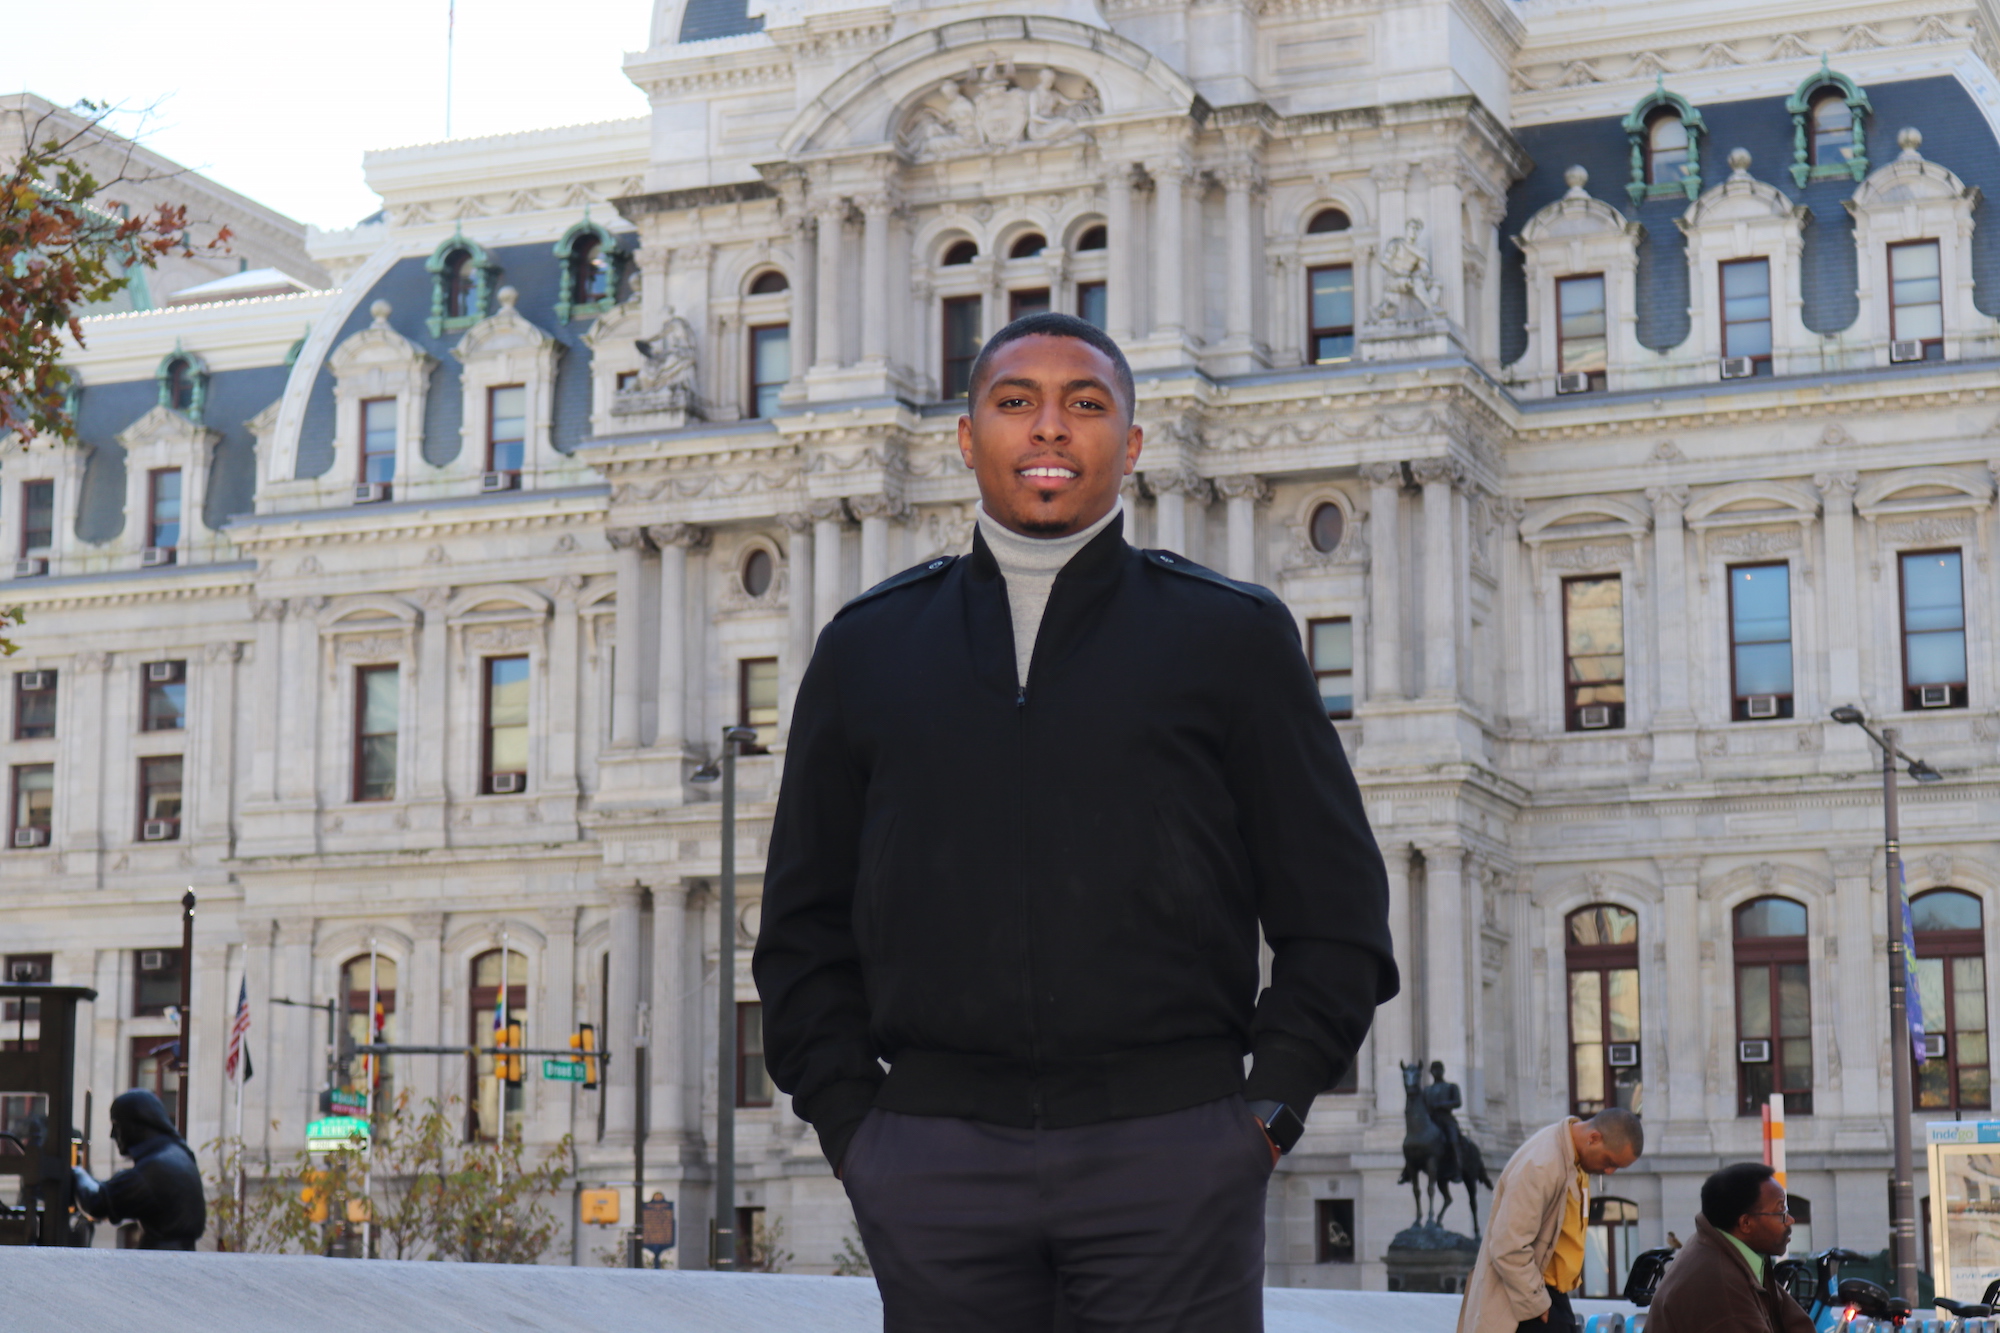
(1902, 1185)
(724, 766)
(187, 983)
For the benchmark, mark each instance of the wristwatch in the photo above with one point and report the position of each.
(1281, 1123)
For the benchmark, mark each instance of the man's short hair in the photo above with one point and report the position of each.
(1621, 1130)
(1055, 324)
(1732, 1192)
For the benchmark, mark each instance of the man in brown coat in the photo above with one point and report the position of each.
(1723, 1280)
(1532, 1256)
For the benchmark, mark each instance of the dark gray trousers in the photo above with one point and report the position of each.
(1152, 1224)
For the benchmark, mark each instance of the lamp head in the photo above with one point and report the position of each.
(740, 735)
(708, 772)
(1923, 772)
(1849, 715)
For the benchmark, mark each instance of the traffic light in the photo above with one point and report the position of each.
(508, 1068)
(314, 1195)
(343, 1053)
(584, 1042)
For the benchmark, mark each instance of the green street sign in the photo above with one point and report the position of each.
(335, 1131)
(563, 1071)
(343, 1102)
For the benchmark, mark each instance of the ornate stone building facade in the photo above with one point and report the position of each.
(1609, 395)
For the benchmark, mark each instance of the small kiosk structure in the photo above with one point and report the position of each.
(1965, 1206)
(39, 1134)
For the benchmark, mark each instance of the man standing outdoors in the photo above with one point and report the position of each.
(1723, 1281)
(1037, 802)
(1532, 1256)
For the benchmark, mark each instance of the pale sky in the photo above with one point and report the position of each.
(278, 101)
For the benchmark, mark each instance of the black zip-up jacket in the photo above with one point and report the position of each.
(1040, 904)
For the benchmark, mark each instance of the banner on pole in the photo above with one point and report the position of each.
(1913, 999)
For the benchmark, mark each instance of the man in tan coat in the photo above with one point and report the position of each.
(1532, 1257)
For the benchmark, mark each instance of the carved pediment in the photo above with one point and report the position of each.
(996, 106)
(505, 330)
(164, 426)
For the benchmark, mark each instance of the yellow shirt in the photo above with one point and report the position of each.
(1565, 1268)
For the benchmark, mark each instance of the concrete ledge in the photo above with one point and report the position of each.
(111, 1290)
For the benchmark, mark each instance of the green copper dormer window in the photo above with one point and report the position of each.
(462, 285)
(182, 377)
(594, 267)
(1665, 136)
(1829, 127)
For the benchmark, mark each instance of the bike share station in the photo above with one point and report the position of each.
(1965, 1208)
(40, 1138)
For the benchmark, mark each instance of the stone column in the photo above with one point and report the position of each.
(1445, 229)
(1842, 635)
(630, 544)
(1240, 182)
(1385, 595)
(798, 613)
(1448, 964)
(830, 216)
(1438, 477)
(1670, 571)
(675, 541)
(1180, 494)
(298, 720)
(558, 1008)
(266, 696)
(565, 687)
(1118, 273)
(1681, 1069)
(298, 1049)
(1170, 179)
(876, 512)
(420, 1007)
(653, 300)
(665, 1114)
(828, 587)
(1862, 949)
(214, 761)
(261, 1040)
(1243, 494)
(1394, 1033)
(877, 212)
(805, 306)
(622, 1010)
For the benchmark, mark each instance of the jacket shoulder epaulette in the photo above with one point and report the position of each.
(929, 569)
(1180, 564)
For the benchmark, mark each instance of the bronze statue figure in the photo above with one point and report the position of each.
(161, 1190)
(1434, 1147)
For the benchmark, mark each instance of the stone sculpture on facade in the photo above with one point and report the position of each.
(1407, 262)
(667, 379)
(987, 111)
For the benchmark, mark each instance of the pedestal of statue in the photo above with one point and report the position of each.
(1429, 1258)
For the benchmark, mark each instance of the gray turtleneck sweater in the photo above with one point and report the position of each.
(1030, 565)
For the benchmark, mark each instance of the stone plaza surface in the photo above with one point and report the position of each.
(47, 1289)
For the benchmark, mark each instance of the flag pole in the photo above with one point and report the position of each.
(243, 1000)
(368, 1096)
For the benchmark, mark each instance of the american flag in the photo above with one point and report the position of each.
(236, 1030)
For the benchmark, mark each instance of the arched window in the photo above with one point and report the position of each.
(1773, 1007)
(485, 1002)
(961, 252)
(1830, 132)
(1666, 148)
(182, 377)
(1093, 238)
(1608, 1244)
(180, 384)
(458, 285)
(589, 273)
(1950, 932)
(365, 1026)
(1326, 220)
(769, 283)
(1027, 246)
(1602, 960)
(593, 273)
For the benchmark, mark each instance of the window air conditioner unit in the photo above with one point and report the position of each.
(371, 492)
(159, 830)
(503, 783)
(1593, 717)
(30, 566)
(163, 673)
(1622, 1054)
(1753, 1052)
(31, 837)
(1573, 383)
(1761, 705)
(1934, 1046)
(1933, 696)
(490, 482)
(1908, 350)
(1738, 367)
(154, 556)
(36, 680)
(152, 960)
